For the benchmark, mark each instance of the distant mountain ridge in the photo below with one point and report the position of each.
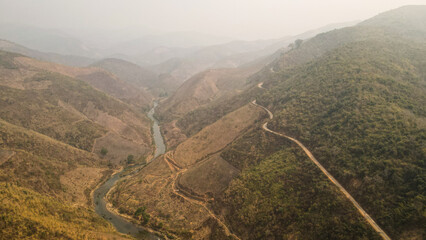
(45, 40)
(408, 20)
(129, 72)
(69, 60)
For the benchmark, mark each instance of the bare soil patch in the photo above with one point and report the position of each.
(119, 148)
(217, 135)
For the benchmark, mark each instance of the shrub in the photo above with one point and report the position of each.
(104, 151)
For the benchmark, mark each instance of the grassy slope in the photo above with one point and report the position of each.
(216, 136)
(192, 122)
(26, 214)
(45, 116)
(37, 164)
(361, 110)
(39, 161)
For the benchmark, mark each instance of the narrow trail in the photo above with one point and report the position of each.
(367, 217)
(6, 157)
(96, 139)
(195, 200)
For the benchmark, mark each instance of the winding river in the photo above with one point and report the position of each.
(160, 148)
(121, 224)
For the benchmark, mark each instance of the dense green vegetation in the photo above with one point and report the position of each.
(405, 23)
(287, 197)
(408, 21)
(361, 111)
(141, 215)
(356, 98)
(281, 194)
(103, 151)
(251, 148)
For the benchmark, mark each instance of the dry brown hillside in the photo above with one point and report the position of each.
(200, 91)
(216, 136)
(48, 166)
(204, 88)
(194, 169)
(38, 96)
(129, 72)
(96, 77)
(55, 181)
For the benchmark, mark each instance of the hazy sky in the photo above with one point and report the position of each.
(243, 19)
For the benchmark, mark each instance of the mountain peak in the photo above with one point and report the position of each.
(406, 19)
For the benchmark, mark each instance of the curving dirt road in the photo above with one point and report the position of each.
(5, 155)
(326, 173)
(202, 202)
(192, 199)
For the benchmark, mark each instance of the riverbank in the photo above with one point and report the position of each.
(123, 223)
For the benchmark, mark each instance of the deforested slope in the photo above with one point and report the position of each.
(52, 130)
(203, 88)
(38, 196)
(217, 135)
(98, 78)
(69, 110)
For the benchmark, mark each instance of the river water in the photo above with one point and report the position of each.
(160, 148)
(121, 224)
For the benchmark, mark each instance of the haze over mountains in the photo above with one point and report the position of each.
(283, 138)
(173, 58)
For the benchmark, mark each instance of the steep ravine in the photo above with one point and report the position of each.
(121, 224)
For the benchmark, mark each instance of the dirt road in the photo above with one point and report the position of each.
(326, 173)
(195, 200)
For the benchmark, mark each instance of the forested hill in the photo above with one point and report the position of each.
(356, 98)
(405, 23)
